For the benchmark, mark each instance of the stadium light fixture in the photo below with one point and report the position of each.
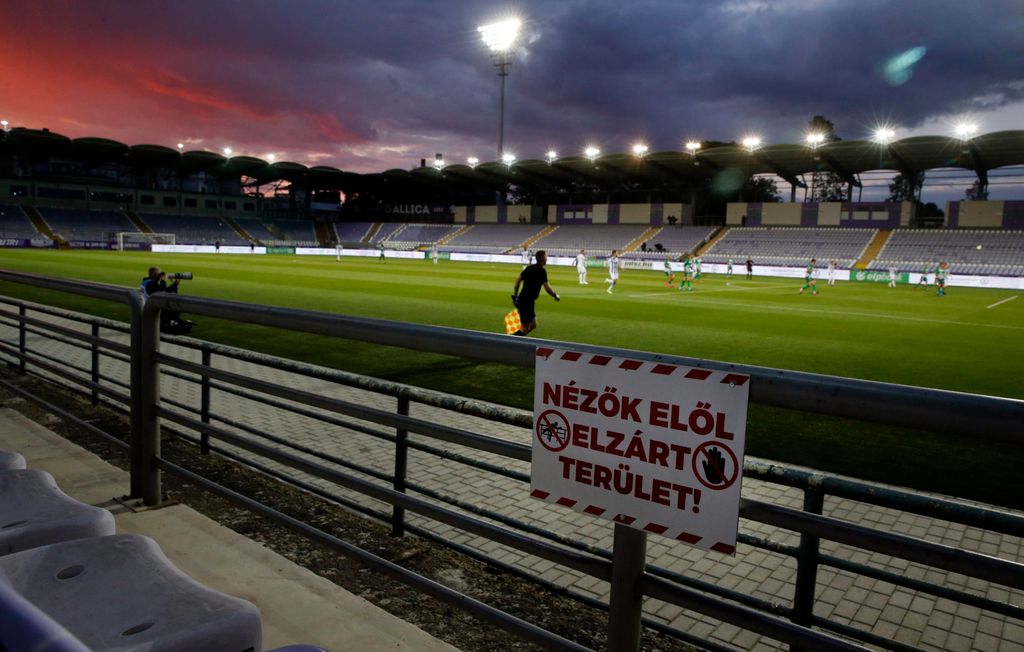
(751, 143)
(4, 123)
(508, 159)
(500, 38)
(591, 153)
(883, 135)
(551, 156)
(271, 157)
(640, 150)
(692, 146)
(965, 130)
(473, 162)
(815, 139)
(439, 164)
(181, 147)
(227, 151)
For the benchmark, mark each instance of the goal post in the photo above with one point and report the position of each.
(133, 240)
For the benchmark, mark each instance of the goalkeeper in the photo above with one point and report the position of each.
(531, 280)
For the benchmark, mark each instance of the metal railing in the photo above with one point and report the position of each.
(624, 567)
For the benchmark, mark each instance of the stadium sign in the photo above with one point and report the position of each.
(419, 210)
(877, 276)
(654, 446)
(14, 242)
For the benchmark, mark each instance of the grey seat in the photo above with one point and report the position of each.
(35, 512)
(120, 593)
(10, 461)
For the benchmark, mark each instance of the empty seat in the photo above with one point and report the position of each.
(35, 512)
(121, 593)
(26, 627)
(9, 461)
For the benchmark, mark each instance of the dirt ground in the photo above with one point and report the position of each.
(505, 591)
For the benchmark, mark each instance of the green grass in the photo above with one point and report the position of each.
(866, 331)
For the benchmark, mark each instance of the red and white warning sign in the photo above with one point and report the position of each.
(655, 446)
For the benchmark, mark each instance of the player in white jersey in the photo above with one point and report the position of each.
(525, 257)
(338, 249)
(581, 266)
(728, 268)
(433, 252)
(831, 272)
(892, 277)
(613, 270)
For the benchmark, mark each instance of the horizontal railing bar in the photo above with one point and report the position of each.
(458, 599)
(596, 567)
(901, 405)
(31, 358)
(897, 579)
(102, 322)
(78, 339)
(64, 414)
(382, 417)
(905, 501)
(862, 635)
(972, 564)
(70, 286)
(745, 617)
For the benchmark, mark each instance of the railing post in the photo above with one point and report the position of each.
(625, 607)
(149, 395)
(21, 339)
(401, 461)
(204, 403)
(95, 349)
(807, 566)
(135, 398)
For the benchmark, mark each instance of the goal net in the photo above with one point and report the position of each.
(134, 240)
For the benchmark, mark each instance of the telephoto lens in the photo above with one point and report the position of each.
(183, 276)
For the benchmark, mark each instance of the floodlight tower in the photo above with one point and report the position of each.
(500, 39)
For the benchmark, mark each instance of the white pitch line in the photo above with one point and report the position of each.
(999, 303)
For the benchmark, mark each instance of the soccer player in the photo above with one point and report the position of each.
(670, 276)
(433, 252)
(532, 279)
(613, 270)
(940, 277)
(924, 278)
(525, 257)
(728, 268)
(381, 258)
(687, 275)
(696, 266)
(338, 248)
(581, 266)
(832, 272)
(750, 269)
(809, 280)
(892, 277)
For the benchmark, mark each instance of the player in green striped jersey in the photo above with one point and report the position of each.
(940, 277)
(670, 276)
(809, 280)
(687, 274)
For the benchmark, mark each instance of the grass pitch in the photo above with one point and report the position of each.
(963, 341)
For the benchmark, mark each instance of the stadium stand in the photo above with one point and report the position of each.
(189, 229)
(299, 233)
(969, 251)
(493, 238)
(415, 235)
(386, 231)
(675, 241)
(14, 224)
(83, 225)
(597, 239)
(793, 246)
(352, 231)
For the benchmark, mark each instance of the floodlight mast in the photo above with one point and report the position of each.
(500, 38)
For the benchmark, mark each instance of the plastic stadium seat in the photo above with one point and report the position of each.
(25, 627)
(11, 461)
(298, 648)
(35, 512)
(121, 593)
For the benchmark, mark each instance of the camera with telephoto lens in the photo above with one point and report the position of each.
(180, 276)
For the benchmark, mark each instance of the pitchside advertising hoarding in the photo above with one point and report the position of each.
(655, 446)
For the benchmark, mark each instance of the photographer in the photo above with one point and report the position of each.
(170, 320)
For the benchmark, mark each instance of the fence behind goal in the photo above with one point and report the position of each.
(135, 240)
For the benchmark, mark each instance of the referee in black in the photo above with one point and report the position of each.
(532, 279)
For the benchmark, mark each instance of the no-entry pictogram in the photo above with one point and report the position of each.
(715, 465)
(552, 429)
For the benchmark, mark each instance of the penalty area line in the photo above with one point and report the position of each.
(999, 303)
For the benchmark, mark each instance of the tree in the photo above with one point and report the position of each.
(977, 191)
(760, 189)
(825, 186)
(902, 188)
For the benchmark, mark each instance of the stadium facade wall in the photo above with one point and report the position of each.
(869, 215)
(985, 215)
(654, 214)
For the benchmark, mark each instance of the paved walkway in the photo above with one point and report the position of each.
(893, 612)
(297, 606)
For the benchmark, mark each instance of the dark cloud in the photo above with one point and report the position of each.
(373, 85)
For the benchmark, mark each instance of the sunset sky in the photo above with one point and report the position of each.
(367, 86)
